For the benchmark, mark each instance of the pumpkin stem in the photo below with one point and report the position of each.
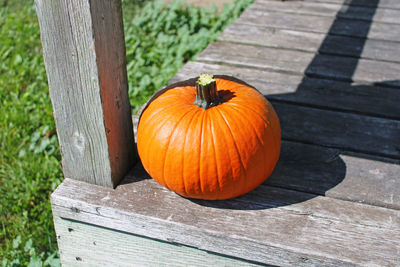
(207, 95)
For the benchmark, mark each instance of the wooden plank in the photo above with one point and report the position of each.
(370, 13)
(332, 173)
(364, 180)
(84, 53)
(82, 244)
(345, 131)
(317, 231)
(391, 4)
(312, 42)
(335, 95)
(335, 173)
(339, 26)
(297, 62)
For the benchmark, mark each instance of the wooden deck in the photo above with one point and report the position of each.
(331, 69)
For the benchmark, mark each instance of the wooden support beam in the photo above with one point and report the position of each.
(84, 53)
(85, 245)
(269, 226)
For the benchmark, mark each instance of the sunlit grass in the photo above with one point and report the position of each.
(159, 39)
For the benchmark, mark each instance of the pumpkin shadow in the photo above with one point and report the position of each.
(296, 178)
(226, 95)
(306, 170)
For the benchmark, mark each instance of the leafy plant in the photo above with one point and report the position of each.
(29, 154)
(159, 39)
(35, 259)
(163, 37)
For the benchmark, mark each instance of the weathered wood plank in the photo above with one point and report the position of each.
(365, 99)
(365, 181)
(297, 62)
(82, 244)
(345, 131)
(84, 53)
(301, 22)
(332, 173)
(335, 173)
(391, 4)
(312, 42)
(317, 231)
(370, 13)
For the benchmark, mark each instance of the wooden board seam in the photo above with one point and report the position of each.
(344, 149)
(71, 200)
(338, 109)
(259, 6)
(341, 4)
(318, 52)
(286, 208)
(311, 75)
(335, 34)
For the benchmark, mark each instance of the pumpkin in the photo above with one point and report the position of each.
(209, 138)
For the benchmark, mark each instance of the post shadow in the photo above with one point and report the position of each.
(310, 169)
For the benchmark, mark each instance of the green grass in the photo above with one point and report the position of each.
(159, 39)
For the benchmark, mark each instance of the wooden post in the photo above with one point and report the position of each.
(84, 53)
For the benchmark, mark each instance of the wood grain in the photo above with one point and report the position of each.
(370, 13)
(364, 180)
(318, 24)
(391, 4)
(82, 244)
(317, 231)
(297, 62)
(340, 130)
(323, 93)
(312, 42)
(84, 53)
(337, 174)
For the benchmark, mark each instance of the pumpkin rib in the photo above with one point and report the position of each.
(259, 139)
(224, 143)
(215, 155)
(201, 148)
(267, 122)
(269, 126)
(156, 123)
(234, 143)
(220, 173)
(241, 92)
(183, 155)
(168, 143)
(249, 121)
(150, 141)
(275, 127)
(158, 110)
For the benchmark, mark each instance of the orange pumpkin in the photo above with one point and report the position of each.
(209, 139)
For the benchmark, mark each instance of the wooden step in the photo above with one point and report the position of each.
(346, 11)
(390, 4)
(297, 62)
(365, 99)
(312, 42)
(320, 24)
(258, 227)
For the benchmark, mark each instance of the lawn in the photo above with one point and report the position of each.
(159, 39)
